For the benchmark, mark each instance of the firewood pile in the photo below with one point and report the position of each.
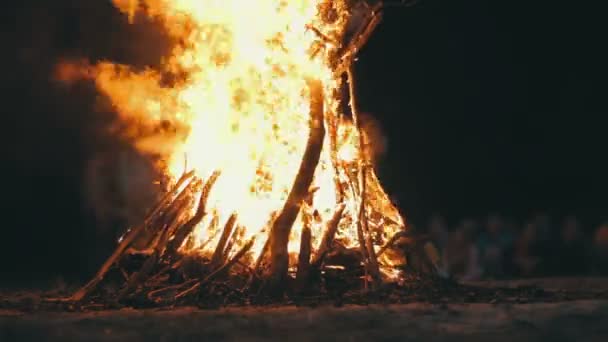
(158, 272)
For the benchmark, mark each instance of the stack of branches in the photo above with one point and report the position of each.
(160, 274)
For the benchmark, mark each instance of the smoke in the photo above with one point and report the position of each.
(60, 145)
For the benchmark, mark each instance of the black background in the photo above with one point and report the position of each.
(487, 106)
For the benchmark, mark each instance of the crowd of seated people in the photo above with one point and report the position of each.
(497, 248)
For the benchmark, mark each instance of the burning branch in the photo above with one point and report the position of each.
(361, 37)
(367, 246)
(282, 225)
(303, 272)
(217, 258)
(328, 236)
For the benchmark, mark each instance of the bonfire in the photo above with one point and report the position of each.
(270, 186)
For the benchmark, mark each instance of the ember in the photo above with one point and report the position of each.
(278, 194)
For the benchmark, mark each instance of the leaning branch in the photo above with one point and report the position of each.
(281, 227)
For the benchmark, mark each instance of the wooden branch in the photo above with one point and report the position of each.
(391, 242)
(361, 37)
(328, 236)
(281, 228)
(258, 263)
(238, 231)
(175, 211)
(226, 267)
(260, 259)
(332, 125)
(127, 239)
(303, 271)
(187, 228)
(216, 259)
(360, 233)
(362, 223)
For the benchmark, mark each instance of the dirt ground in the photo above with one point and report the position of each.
(576, 320)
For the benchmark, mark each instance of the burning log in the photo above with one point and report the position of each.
(282, 225)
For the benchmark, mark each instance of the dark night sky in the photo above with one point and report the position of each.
(487, 105)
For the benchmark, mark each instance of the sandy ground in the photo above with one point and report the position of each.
(568, 321)
(563, 321)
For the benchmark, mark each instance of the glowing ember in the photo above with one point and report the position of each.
(239, 104)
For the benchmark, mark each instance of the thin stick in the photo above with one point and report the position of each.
(332, 125)
(260, 259)
(258, 263)
(328, 236)
(127, 239)
(303, 272)
(187, 228)
(235, 236)
(178, 206)
(153, 295)
(362, 228)
(216, 259)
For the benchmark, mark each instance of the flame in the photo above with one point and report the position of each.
(237, 103)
